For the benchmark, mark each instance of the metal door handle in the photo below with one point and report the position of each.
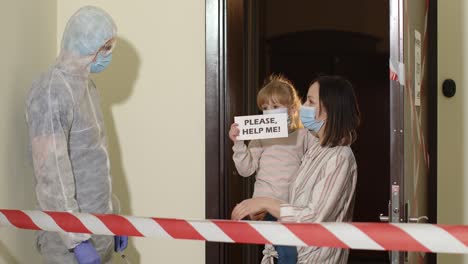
(421, 219)
(383, 218)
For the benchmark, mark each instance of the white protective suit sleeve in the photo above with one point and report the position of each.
(49, 119)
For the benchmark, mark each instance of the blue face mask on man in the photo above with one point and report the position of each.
(101, 63)
(307, 114)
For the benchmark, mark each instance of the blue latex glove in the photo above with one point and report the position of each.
(85, 253)
(120, 243)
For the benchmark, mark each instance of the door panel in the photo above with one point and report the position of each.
(409, 115)
(416, 151)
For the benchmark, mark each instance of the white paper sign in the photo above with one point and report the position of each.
(262, 126)
(417, 68)
(401, 73)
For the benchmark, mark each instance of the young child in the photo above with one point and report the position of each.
(274, 160)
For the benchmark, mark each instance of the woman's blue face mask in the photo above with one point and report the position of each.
(308, 119)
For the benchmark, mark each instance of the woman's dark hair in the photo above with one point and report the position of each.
(336, 95)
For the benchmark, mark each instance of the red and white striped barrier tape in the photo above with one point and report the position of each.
(369, 236)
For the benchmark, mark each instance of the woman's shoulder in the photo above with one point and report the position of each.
(305, 134)
(345, 150)
(344, 153)
(337, 158)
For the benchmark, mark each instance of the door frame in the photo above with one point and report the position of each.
(216, 118)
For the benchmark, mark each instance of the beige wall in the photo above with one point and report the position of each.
(153, 99)
(453, 118)
(28, 33)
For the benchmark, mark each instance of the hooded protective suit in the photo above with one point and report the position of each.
(68, 141)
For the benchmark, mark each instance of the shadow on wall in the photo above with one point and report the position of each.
(115, 85)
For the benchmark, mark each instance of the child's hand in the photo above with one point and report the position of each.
(234, 132)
